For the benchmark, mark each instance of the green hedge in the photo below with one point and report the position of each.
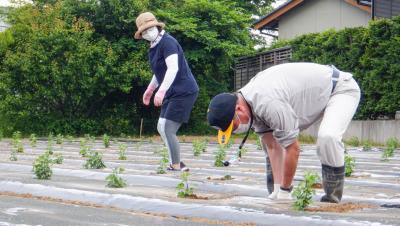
(371, 53)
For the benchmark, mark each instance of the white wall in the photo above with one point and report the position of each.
(319, 15)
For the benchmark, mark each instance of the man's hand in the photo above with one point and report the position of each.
(159, 97)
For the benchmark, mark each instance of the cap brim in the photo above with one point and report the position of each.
(224, 136)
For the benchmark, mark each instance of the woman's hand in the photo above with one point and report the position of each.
(147, 96)
(158, 99)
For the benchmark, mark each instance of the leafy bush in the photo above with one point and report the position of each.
(199, 147)
(94, 161)
(163, 161)
(42, 167)
(122, 151)
(220, 156)
(183, 189)
(114, 180)
(304, 191)
(349, 163)
(106, 141)
(33, 139)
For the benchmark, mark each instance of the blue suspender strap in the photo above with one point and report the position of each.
(335, 76)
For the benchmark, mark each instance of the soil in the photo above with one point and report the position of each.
(317, 186)
(226, 177)
(340, 208)
(194, 196)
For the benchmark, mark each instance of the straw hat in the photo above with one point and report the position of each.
(144, 21)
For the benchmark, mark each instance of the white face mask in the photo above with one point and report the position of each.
(150, 34)
(242, 128)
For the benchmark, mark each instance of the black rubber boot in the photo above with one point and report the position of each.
(268, 175)
(333, 182)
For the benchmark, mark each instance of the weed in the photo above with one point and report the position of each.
(304, 191)
(220, 156)
(199, 147)
(33, 140)
(349, 163)
(94, 161)
(59, 139)
(106, 141)
(122, 151)
(183, 189)
(114, 180)
(42, 167)
(163, 161)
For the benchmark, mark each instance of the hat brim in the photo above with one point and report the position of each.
(138, 33)
(224, 136)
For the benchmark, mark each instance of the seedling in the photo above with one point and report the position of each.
(58, 158)
(84, 148)
(13, 156)
(353, 141)
(259, 146)
(42, 167)
(391, 145)
(220, 156)
(106, 141)
(60, 139)
(70, 138)
(304, 191)
(94, 161)
(349, 162)
(183, 189)
(50, 149)
(33, 140)
(50, 138)
(90, 138)
(17, 143)
(114, 180)
(199, 147)
(163, 161)
(367, 145)
(122, 151)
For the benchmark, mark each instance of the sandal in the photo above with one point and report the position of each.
(182, 167)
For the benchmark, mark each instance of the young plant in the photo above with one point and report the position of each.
(13, 156)
(349, 163)
(33, 140)
(304, 191)
(58, 158)
(17, 142)
(122, 151)
(114, 180)
(199, 147)
(391, 145)
(70, 138)
(163, 161)
(50, 148)
(42, 167)
(183, 189)
(94, 161)
(84, 148)
(106, 141)
(59, 139)
(220, 156)
(353, 141)
(367, 145)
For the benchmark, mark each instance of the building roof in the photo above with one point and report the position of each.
(271, 20)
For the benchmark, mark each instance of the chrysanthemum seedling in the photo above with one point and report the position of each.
(33, 140)
(114, 180)
(17, 142)
(183, 189)
(84, 148)
(220, 156)
(163, 161)
(304, 191)
(122, 151)
(391, 145)
(95, 161)
(42, 167)
(13, 156)
(106, 141)
(199, 147)
(59, 139)
(58, 158)
(349, 163)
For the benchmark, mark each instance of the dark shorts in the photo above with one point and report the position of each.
(178, 109)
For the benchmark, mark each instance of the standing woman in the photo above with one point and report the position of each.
(177, 88)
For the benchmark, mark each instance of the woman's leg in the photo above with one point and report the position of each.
(168, 130)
